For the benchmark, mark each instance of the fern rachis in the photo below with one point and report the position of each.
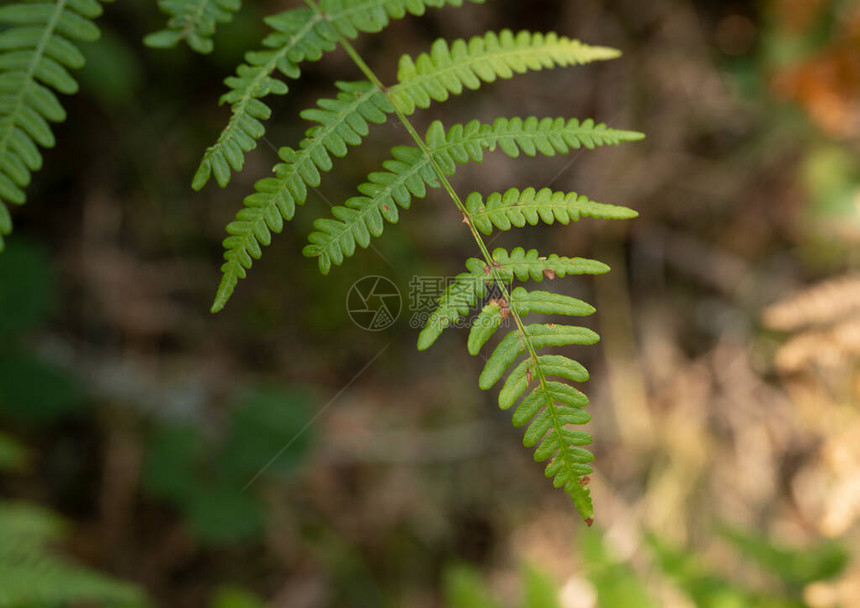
(541, 402)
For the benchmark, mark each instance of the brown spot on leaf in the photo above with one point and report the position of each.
(505, 309)
(549, 273)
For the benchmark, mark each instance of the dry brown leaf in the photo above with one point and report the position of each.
(827, 302)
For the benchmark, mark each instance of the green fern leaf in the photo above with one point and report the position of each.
(410, 171)
(549, 303)
(36, 53)
(517, 208)
(485, 325)
(193, 21)
(456, 301)
(513, 345)
(552, 365)
(524, 264)
(448, 68)
(300, 35)
(522, 302)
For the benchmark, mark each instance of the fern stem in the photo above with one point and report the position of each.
(488, 258)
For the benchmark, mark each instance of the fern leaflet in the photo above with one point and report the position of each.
(35, 55)
(193, 21)
(450, 67)
(516, 208)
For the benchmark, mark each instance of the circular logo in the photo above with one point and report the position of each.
(373, 303)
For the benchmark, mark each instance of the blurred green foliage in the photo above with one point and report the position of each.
(28, 294)
(464, 587)
(32, 575)
(235, 597)
(795, 568)
(13, 455)
(265, 434)
(113, 74)
(615, 583)
(32, 390)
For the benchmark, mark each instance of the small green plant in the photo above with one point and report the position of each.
(545, 405)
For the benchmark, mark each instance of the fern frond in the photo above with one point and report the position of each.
(516, 208)
(300, 35)
(465, 290)
(193, 21)
(448, 68)
(36, 53)
(410, 171)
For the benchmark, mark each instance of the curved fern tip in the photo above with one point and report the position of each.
(201, 176)
(425, 340)
(225, 290)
